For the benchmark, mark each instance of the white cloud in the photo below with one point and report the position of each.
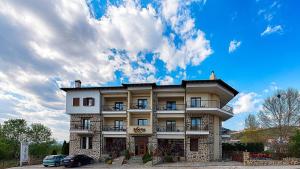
(233, 45)
(167, 80)
(270, 30)
(247, 102)
(46, 45)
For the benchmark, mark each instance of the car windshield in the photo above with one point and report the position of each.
(71, 156)
(49, 157)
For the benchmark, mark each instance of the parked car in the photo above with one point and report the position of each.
(77, 160)
(53, 160)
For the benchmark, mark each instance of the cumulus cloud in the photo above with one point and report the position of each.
(247, 102)
(233, 45)
(270, 30)
(46, 45)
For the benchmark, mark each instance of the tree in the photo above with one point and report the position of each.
(39, 133)
(65, 148)
(294, 145)
(281, 112)
(251, 122)
(15, 130)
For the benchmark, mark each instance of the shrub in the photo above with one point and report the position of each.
(250, 147)
(147, 157)
(294, 145)
(127, 154)
(108, 160)
(54, 152)
(168, 158)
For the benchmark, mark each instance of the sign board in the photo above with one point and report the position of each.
(139, 130)
(24, 155)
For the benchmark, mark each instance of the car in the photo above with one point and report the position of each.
(77, 160)
(53, 160)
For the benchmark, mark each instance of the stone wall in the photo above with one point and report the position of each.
(75, 137)
(285, 161)
(206, 142)
(202, 155)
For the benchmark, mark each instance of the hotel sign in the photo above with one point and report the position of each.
(139, 130)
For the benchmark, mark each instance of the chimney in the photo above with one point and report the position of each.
(77, 84)
(212, 76)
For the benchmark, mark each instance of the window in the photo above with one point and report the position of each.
(76, 101)
(170, 125)
(86, 124)
(196, 123)
(119, 125)
(86, 143)
(88, 101)
(171, 105)
(196, 102)
(142, 103)
(193, 144)
(118, 106)
(142, 122)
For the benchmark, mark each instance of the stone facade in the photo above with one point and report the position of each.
(75, 137)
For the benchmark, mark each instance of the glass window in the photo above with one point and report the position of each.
(118, 106)
(171, 105)
(83, 143)
(119, 125)
(89, 101)
(170, 125)
(142, 122)
(196, 102)
(142, 103)
(90, 142)
(86, 123)
(195, 123)
(193, 144)
(76, 101)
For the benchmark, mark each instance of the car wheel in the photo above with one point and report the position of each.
(79, 164)
(45, 166)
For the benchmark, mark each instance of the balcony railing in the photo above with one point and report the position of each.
(79, 127)
(139, 106)
(170, 107)
(114, 128)
(113, 108)
(198, 127)
(208, 104)
(170, 128)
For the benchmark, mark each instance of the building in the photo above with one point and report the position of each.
(185, 120)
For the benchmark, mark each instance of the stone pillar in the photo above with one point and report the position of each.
(246, 157)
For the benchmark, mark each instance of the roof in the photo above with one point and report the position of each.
(154, 85)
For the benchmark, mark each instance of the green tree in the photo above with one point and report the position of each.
(251, 122)
(294, 145)
(65, 148)
(15, 130)
(39, 133)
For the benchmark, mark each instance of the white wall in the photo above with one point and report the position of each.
(70, 109)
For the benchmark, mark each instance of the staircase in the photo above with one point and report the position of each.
(135, 160)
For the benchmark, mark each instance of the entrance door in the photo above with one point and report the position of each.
(140, 145)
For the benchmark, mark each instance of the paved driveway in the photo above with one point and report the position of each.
(217, 165)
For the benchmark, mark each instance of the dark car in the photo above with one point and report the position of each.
(77, 160)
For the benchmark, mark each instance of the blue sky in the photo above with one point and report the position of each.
(252, 45)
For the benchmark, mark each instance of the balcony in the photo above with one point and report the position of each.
(82, 129)
(210, 107)
(135, 107)
(170, 132)
(197, 130)
(173, 110)
(113, 110)
(114, 131)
